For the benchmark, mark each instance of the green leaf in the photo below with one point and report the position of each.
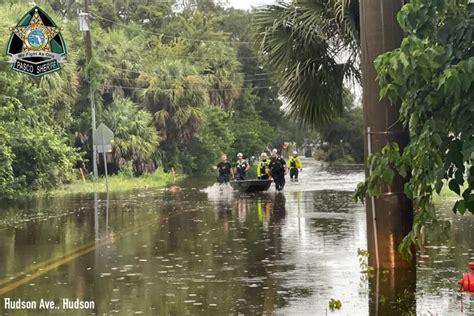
(408, 190)
(439, 186)
(404, 60)
(467, 193)
(468, 149)
(454, 186)
(387, 175)
(460, 206)
(402, 170)
(470, 203)
(437, 140)
(459, 176)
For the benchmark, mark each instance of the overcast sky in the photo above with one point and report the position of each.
(247, 4)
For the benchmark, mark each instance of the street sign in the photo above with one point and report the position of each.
(107, 149)
(103, 136)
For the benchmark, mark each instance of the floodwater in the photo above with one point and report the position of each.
(203, 251)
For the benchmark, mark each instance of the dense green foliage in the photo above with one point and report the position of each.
(431, 74)
(178, 83)
(34, 153)
(343, 138)
(135, 137)
(34, 144)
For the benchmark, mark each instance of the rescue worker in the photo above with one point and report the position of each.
(241, 167)
(225, 170)
(263, 171)
(294, 164)
(278, 170)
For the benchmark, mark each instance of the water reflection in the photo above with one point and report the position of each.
(393, 292)
(212, 252)
(178, 253)
(447, 249)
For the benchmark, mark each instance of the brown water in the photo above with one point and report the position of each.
(203, 251)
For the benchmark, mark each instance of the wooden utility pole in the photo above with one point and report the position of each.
(87, 34)
(389, 217)
(88, 47)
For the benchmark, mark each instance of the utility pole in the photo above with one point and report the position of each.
(85, 26)
(389, 217)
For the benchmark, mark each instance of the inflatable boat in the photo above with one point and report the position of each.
(250, 186)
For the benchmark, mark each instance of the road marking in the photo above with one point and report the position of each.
(41, 264)
(46, 267)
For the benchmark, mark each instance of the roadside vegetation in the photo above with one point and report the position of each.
(342, 140)
(117, 183)
(178, 83)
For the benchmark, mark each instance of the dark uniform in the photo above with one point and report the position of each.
(241, 168)
(224, 172)
(277, 167)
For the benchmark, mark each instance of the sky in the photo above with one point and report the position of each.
(247, 4)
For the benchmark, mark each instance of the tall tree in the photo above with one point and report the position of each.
(312, 46)
(136, 140)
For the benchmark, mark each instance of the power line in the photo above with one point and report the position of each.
(187, 57)
(168, 36)
(170, 80)
(158, 74)
(247, 77)
(207, 90)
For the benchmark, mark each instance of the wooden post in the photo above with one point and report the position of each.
(393, 214)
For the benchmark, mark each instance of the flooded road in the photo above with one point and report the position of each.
(206, 252)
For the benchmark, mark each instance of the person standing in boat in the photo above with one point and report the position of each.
(241, 167)
(278, 170)
(225, 170)
(263, 171)
(294, 164)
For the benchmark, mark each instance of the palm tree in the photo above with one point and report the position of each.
(313, 46)
(136, 139)
(222, 69)
(61, 90)
(176, 99)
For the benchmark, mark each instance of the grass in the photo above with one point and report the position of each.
(117, 183)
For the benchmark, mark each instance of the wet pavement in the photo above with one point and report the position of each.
(206, 252)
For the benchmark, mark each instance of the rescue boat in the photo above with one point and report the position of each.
(250, 186)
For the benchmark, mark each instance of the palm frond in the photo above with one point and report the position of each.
(313, 46)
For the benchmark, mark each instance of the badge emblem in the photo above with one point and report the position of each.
(36, 46)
